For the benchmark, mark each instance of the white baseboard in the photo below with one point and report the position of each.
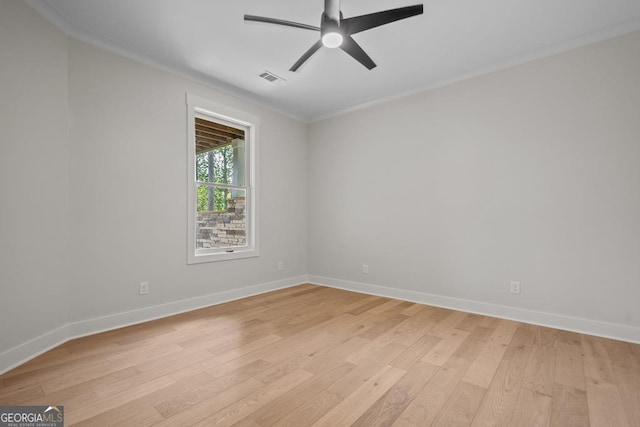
(18, 355)
(575, 324)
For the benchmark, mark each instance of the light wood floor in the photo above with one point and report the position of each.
(311, 355)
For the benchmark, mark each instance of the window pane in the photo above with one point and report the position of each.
(221, 218)
(220, 153)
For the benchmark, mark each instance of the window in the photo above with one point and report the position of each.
(222, 187)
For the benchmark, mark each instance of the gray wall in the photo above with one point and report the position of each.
(34, 143)
(128, 175)
(530, 174)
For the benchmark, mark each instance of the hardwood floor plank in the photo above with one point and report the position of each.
(461, 407)
(522, 337)
(485, 365)
(389, 305)
(413, 309)
(170, 362)
(473, 344)
(365, 369)
(356, 403)
(628, 381)
(280, 369)
(483, 333)
(569, 407)
(151, 372)
(21, 396)
(424, 408)
(545, 337)
(145, 334)
(205, 408)
(309, 342)
(247, 348)
(444, 328)
(540, 370)
(503, 333)
(183, 400)
(141, 410)
(303, 322)
(568, 337)
(310, 411)
(76, 414)
(215, 332)
(635, 348)
(373, 347)
(366, 301)
(83, 392)
(74, 397)
(384, 326)
(389, 407)
(489, 322)
(569, 367)
(412, 329)
(376, 302)
(500, 400)
(261, 397)
(246, 422)
(622, 354)
(280, 407)
(217, 370)
(597, 364)
(470, 321)
(144, 416)
(605, 404)
(413, 354)
(335, 355)
(223, 342)
(439, 354)
(532, 409)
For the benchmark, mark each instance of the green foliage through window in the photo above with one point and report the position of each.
(215, 166)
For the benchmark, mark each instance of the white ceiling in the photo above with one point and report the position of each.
(209, 41)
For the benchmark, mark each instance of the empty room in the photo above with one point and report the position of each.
(320, 213)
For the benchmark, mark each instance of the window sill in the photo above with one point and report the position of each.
(223, 256)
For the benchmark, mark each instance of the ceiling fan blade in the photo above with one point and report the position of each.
(276, 21)
(350, 46)
(360, 23)
(313, 49)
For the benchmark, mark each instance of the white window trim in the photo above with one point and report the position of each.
(197, 105)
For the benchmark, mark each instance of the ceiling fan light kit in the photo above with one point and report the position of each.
(336, 31)
(332, 40)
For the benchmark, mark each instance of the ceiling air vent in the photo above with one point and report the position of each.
(270, 77)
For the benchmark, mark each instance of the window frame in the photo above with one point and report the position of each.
(210, 110)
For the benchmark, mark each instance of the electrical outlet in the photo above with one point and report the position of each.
(515, 287)
(144, 288)
(280, 266)
(365, 268)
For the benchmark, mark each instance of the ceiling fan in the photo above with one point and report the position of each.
(336, 31)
